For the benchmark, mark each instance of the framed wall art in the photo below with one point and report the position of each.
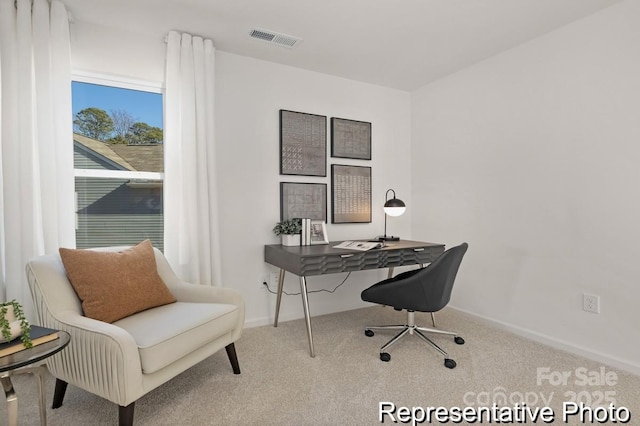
(304, 200)
(350, 194)
(350, 139)
(303, 144)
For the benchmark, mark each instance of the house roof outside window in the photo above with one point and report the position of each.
(144, 158)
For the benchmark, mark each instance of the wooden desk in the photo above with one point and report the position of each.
(306, 261)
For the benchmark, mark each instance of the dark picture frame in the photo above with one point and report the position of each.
(350, 194)
(350, 139)
(303, 144)
(303, 200)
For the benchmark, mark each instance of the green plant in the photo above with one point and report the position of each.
(5, 326)
(288, 227)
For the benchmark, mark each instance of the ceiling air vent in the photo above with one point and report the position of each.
(275, 38)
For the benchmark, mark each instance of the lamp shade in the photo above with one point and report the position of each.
(394, 207)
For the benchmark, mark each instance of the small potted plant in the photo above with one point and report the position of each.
(13, 323)
(289, 231)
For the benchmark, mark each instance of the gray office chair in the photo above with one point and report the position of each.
(424, 290)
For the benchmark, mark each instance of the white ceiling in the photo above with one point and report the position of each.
(403, 44)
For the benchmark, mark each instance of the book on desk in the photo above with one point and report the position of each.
(359, 245)
(39, 335)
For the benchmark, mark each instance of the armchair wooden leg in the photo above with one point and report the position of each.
(233, 358)
(58, 393)
(125, 415)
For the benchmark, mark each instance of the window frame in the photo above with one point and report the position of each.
(120, 83)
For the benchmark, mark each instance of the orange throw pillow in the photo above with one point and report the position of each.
(114, 285)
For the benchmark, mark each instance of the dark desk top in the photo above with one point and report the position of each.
(328, 249)
(325, 259)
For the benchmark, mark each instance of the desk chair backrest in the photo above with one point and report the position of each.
(425, 290)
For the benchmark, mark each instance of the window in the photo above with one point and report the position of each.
(118, 162)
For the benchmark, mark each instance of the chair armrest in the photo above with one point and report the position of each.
(117, 377)
(195, 293)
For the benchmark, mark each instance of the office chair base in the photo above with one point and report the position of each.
(449, 363)
(412, 328)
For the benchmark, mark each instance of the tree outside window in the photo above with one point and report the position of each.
(119, 165)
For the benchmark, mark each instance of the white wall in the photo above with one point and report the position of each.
(533, 158)
(530, 156)
(249, 95)
(102, 50)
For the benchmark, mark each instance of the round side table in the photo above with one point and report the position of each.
(22, 362)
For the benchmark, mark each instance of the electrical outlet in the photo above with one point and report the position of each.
(271, 280)
(591, 303)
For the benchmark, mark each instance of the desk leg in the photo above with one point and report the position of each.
(390, 274)
(305, 306)
(279, 296)
(12, 399)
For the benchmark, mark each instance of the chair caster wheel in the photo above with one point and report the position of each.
(459, 340)
(449, 363)
(368, 333)
(385, 357)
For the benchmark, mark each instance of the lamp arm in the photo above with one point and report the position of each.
(386, 195)
(385, 225)
(386, 198)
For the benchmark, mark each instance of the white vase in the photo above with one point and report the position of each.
(290, 240)
(14, 325)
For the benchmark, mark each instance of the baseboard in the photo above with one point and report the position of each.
(556, 343)
(296, 315)
(259, 322)
(268, 320)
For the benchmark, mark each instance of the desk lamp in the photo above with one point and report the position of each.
(392, 207)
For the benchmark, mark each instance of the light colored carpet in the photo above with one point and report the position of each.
(343, 385)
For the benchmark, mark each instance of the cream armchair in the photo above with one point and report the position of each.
(124, 360)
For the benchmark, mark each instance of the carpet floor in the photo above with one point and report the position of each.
(345, 383)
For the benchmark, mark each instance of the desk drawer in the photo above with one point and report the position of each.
(331, 264)
(372, 259)
(325, 259)
(320, 265)
(410, 256)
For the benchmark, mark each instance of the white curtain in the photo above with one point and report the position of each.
(191, 237)
(36, 147)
